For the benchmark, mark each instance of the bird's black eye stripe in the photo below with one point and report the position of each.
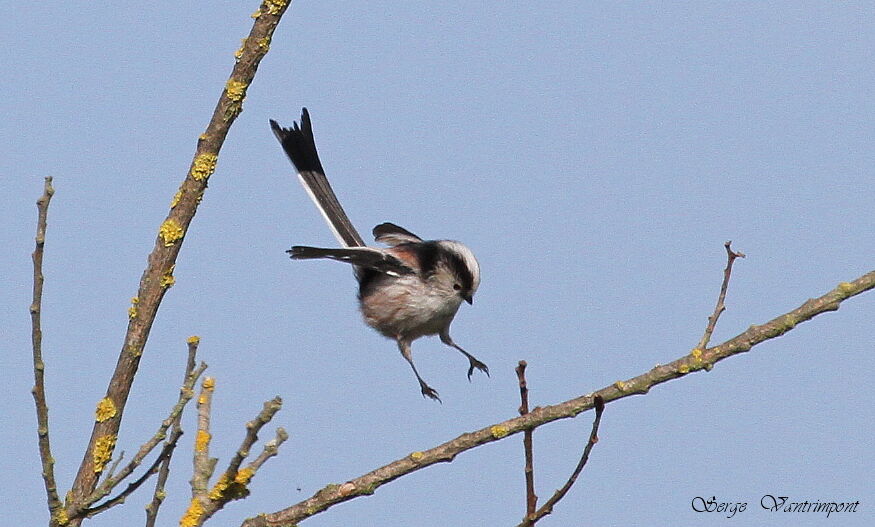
(457, 265)
(430, 253)
(428, 257)
(460, 270)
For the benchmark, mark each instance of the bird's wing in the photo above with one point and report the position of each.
(361, 257)
(393, 235)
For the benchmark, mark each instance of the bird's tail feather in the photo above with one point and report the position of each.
(300, 146)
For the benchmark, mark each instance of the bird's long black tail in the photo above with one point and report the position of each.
(300, 146)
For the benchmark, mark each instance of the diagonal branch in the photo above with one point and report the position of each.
(157, 277)
(185, 395)
(165, 454)
(720, 307)
(269, 409)
(113, 480)
(39, 384)
(698, 360)
(271, 448)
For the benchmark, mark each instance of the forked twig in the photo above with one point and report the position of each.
(233, 483)
(111, 482)
(165, 454)
(547, 508)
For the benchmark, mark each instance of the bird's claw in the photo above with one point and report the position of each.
(428, 391)
(477, 364)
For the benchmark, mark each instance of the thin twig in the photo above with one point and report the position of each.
(271, 448)
(547, 508)
(531, 497)
(367, 484)
(720, 307)
(157, 277)
(232, 484)
(269, 409)
(39, 384)
(103, 490)
(111, 472)
(166, 452)
(164, 470)
(159, 494)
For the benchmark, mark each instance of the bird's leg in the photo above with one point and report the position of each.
(427, 391)
(472, 360)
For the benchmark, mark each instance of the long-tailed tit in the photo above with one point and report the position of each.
(409, 290)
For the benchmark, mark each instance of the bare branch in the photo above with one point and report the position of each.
(39, 384)
(269, 409)
(165, 454)
(186, 392)
(529, 470)
(232, 484)
(704, 360)
(720, 307)
(547, 508)
(164, 471)
(185, 395)
(157, 277)
(271, 448)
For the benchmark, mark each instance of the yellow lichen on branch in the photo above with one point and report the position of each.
(102, 453)
(168, 280)
(202, 440)
(239, 52)
(244, 475)
(227, 489)
(193, 515)
(274, 6)
(236, 92)
(498, 431)
(105, 410)
(204, 165)
(176, 197)
(170, 232)
(132, 311)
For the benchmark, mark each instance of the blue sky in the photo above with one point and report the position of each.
(594, 156)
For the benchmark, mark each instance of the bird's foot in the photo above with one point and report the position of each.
(428, 391)
(474, 363)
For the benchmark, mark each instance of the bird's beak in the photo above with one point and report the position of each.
(469, 298)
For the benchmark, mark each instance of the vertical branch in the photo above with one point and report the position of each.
(157, 277)
(39, 386)
(203, 464)
(164, 471)
(531, 497)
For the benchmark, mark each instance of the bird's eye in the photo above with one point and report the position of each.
(457, 287)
